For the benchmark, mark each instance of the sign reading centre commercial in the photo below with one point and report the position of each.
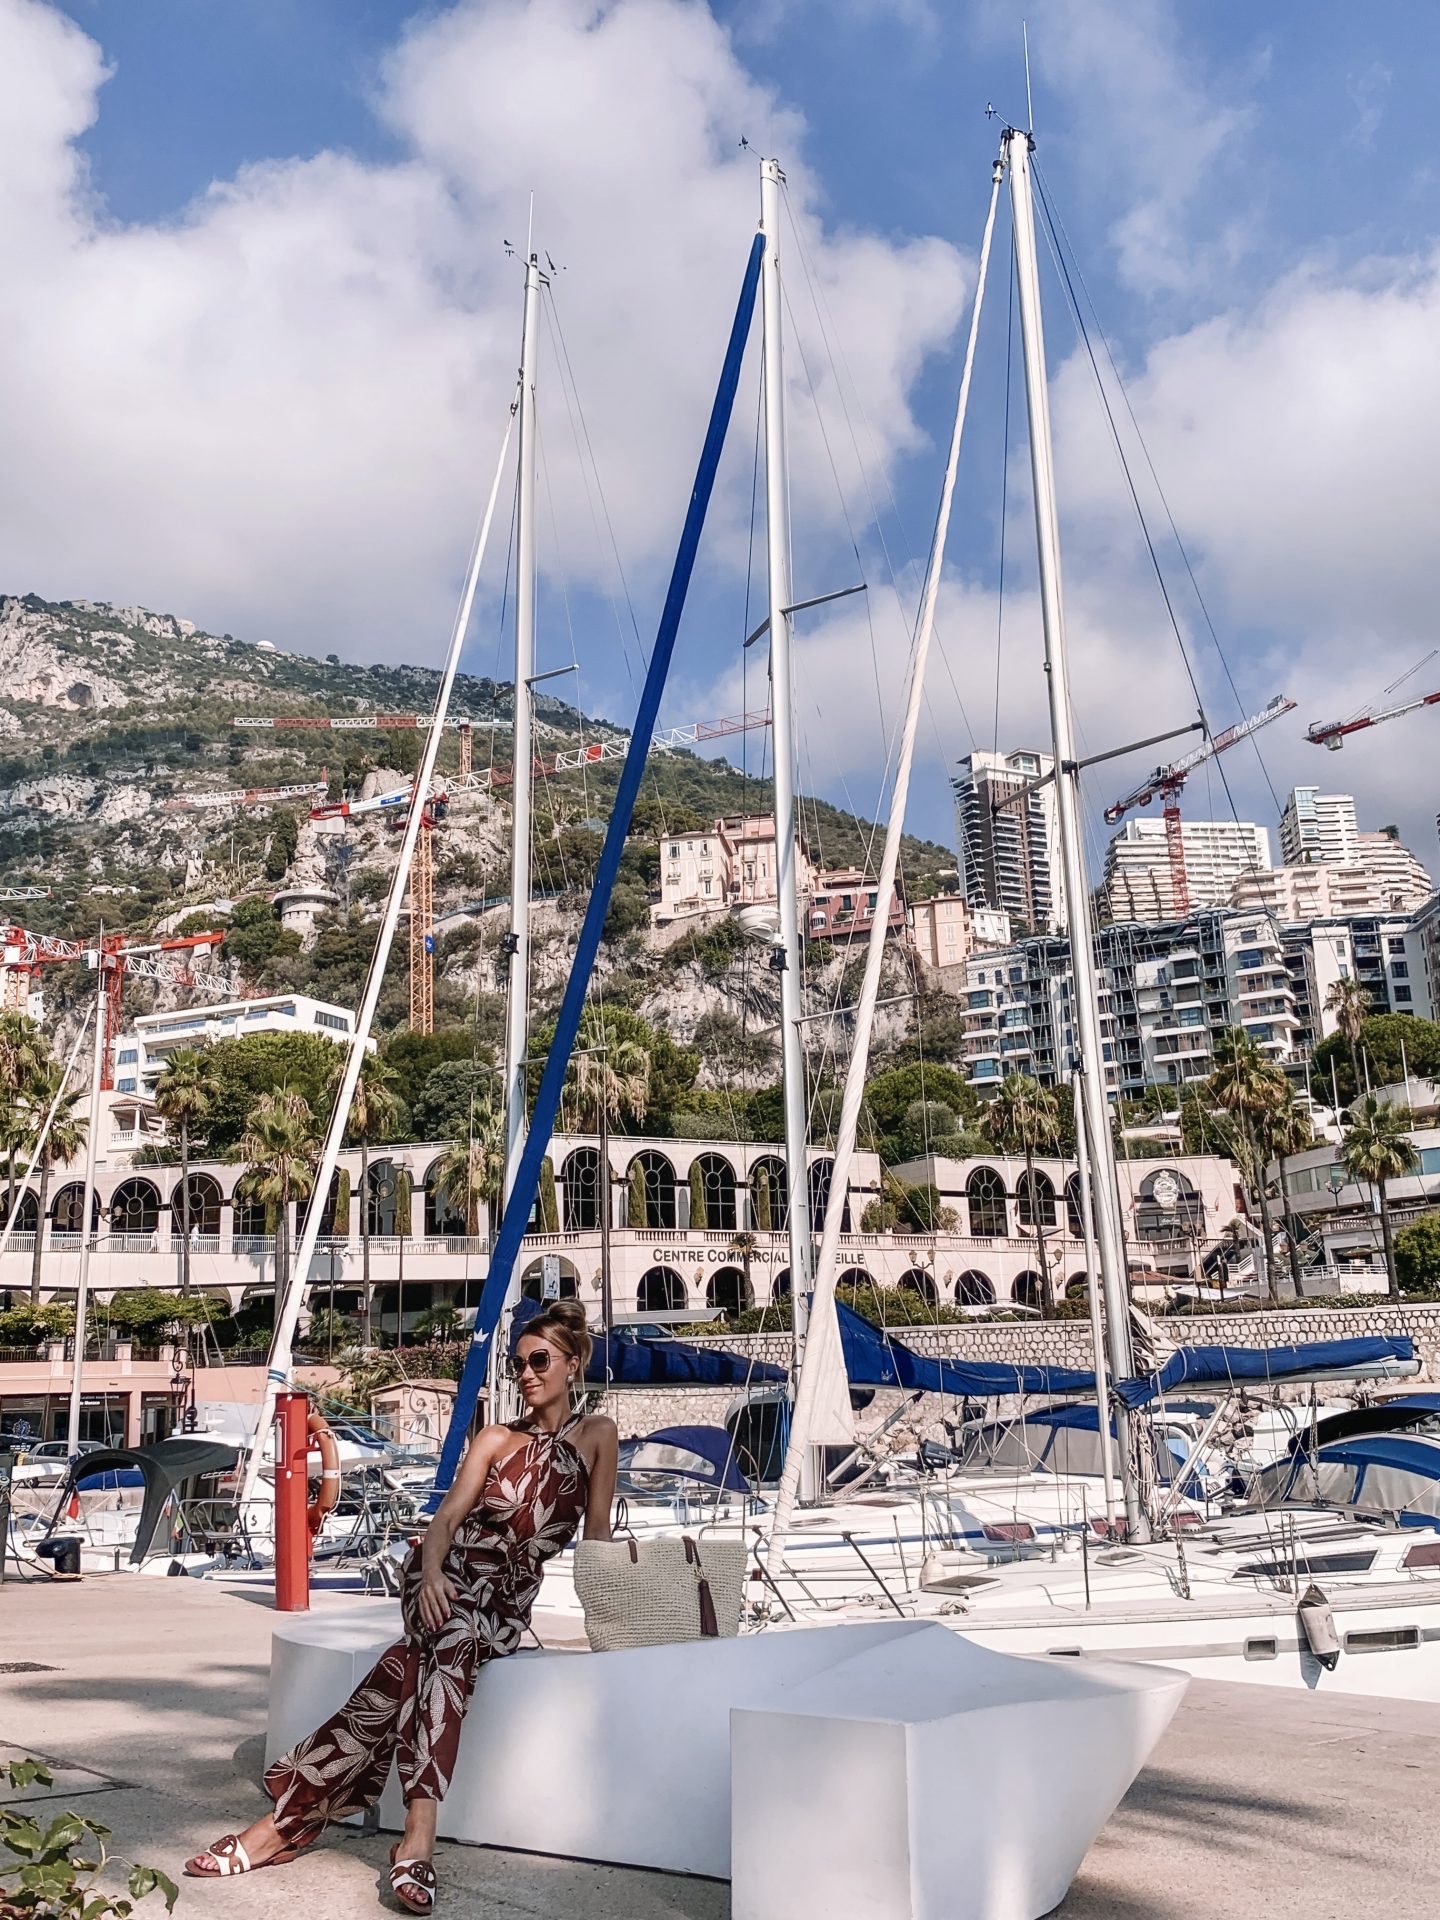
(722, 1256)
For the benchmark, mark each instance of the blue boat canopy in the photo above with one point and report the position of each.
(877, 1359)
(706, 1454)
(629, 1362)
(1244, 1366)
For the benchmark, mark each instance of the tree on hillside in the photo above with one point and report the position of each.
(184, 1097)
(1391, 1044)
(890, 1097)
(1377, 1148)
(280, 1147)
(261, 1064)
(1024, 1117)
(413, 1057)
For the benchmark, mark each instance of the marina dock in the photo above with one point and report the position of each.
(147, 1698)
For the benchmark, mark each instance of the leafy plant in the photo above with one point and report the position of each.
(57, 1869)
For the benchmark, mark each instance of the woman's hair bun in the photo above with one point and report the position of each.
(563, 1322)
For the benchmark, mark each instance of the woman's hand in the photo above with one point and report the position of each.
(436, 1597)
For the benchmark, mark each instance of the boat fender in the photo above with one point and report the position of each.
(1317, 1625)
(322, 1441)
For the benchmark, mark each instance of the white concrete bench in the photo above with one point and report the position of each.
(626, 1757)
(932, 1779)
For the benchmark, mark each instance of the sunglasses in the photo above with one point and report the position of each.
(537, 1363)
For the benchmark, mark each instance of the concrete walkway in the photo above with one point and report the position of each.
(150, 1695)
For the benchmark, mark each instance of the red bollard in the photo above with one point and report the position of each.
(292, 1535)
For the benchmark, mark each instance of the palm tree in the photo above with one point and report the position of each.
(473, 1170)
(23, 1053)
(1289, 1132)
(1252, 1088)
(64, 1140)
(280, 1146)
(1377, 1148)
(1349, 1003)
(1025, 1117)
(184, 1096)
(608, 1077)
(375, 1112)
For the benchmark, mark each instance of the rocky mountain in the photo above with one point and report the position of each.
(112, 719)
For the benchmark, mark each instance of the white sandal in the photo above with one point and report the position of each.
(413, 1876)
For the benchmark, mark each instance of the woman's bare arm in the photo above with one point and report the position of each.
(605, 1456)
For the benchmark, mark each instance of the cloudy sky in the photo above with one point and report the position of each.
(258, 332)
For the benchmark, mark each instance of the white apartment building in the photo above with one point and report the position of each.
(1007, 836)
(1391, 880)
(1319, 826)
(1137, 884)
(732, 864)
(947, 930)
(141, 1055)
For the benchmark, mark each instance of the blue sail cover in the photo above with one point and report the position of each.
(1240, 1366)
(673, 1363)
(876, 1359)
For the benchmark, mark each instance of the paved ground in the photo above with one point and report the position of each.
(1259, 1803)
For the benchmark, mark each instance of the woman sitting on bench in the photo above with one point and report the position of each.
(518, 1498)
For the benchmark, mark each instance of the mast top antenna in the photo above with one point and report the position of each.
(1029, 101)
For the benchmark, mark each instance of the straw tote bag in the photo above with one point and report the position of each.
(653, 1593)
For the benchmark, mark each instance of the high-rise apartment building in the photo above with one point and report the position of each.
(1005, 827)
(1397, 876)
(1137, 883)
(1319, 826)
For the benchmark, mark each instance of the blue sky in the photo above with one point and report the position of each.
(1251, 196)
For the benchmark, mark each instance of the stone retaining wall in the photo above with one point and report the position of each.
(1059, 1343)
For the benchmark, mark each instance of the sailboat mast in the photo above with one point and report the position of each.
(517, 945)
(1016, 149)
(777, 542)
(517, 941)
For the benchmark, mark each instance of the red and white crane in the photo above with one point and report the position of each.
(23, 953)
(1168, 781)
(1334, 733)
(246, 796)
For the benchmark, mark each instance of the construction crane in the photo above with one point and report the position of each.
(25, 893)
(596, 752)
(23, 953)
(396, 804)
(380, 723)
(1168, 781)
(1333, 733)
(246, 796)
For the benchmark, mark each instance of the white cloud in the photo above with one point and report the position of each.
(276, 413)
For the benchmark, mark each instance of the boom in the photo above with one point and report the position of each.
(1333, 733)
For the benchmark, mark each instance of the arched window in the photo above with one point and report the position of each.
(135, 1207)
(199, 1205)
(661, 1291)
(1077, 1287)
(728, 1290)
(652, 1192)
(780, 1285)
(580, 1191)
(985, 1194)
(27, 1210)
(68, 1207)
(382, 1200)
(769, 1196)
(867, 1294)
(532, 1281)
(1074, 1215)
(1035, 1193)
(443, 1219)
(974, 1290)
(1168, 1206)
(1026, 1290)
(327, 1212)
(916, 1280)
(821, 1174)
(717, 1193)
(249, 1221)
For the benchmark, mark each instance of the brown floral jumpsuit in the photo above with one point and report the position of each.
(410, 1706)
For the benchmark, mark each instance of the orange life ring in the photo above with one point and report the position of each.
(322, 1441)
